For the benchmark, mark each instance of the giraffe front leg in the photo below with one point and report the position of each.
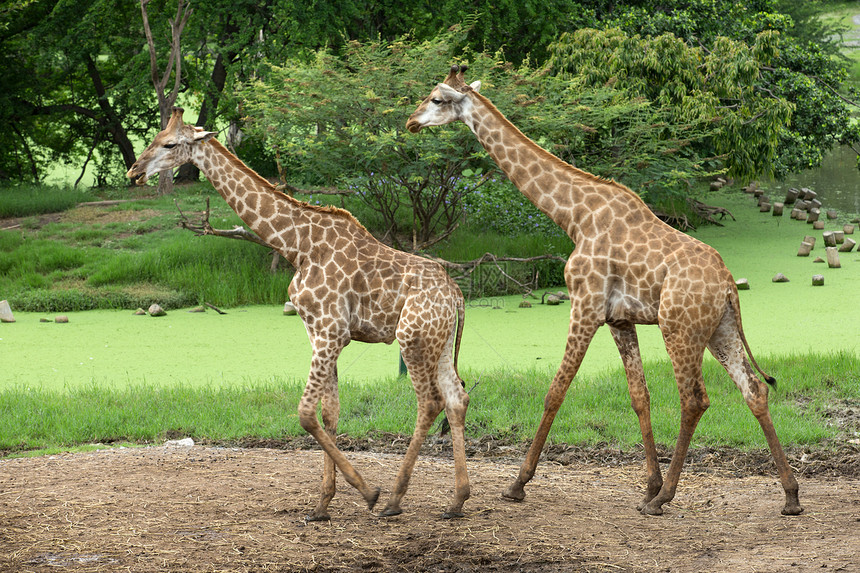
(577, 343)
(322, 370)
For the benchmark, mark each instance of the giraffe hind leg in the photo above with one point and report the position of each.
(427, 412)
(428, 359)
(628, 346)
(330, 412)
(727, 348)
(686, 357)
(456, 404)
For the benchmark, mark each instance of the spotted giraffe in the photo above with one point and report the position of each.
(348, 286)
(627, 268)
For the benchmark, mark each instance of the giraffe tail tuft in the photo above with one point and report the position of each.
(734, 301)
(461, 318)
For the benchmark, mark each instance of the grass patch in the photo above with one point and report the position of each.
(506, 404)
(28, 200)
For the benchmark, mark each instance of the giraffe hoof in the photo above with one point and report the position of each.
(371, 500)
(514, 493)
(317, 517)
(390, 512)
(792, 510)
(452, 514)
(648, 509)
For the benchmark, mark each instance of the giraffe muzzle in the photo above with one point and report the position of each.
(413, 126)
(136, 178)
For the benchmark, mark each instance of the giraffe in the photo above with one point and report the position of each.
(627, 268)
(347, 286)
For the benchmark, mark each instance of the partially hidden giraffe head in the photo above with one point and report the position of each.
(170, 148)
(446, 102)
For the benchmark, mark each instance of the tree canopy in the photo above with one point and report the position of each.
(77, 89)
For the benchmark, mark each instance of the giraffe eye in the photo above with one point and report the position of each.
(437, 101)
(169, 145)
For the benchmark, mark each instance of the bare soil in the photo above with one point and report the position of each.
(242, 509)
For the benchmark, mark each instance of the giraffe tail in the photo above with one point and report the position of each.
(444, 425)
(734, 300)
(461, 319)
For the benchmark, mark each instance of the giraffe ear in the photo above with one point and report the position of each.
(200, 135)
(476, 86)
(449, 93)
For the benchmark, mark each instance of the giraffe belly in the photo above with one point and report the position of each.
(623, 308)
(362, 331)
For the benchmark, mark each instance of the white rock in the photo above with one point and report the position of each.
(6, 312)
(156, 310)
(183, 443)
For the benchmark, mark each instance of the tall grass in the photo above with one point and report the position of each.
(229, 272)
(28, 200)
(505, 404)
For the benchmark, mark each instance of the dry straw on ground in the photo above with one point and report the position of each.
(235, 509)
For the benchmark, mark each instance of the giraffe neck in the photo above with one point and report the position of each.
(279, 220)
(567, 195)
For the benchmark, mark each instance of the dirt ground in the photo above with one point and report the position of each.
(241, 509)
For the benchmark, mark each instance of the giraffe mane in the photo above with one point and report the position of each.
(263, 182)
(526, 140)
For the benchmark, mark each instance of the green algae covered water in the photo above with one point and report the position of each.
(253, 344)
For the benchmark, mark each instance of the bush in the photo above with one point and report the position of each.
(75, 300)
(500, 206)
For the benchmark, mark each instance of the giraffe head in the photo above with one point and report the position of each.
(446, 103)
(170, 148)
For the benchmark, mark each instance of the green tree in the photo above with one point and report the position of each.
(225, 39)
(805, 69)
(695, 86)
(68, 93)
(341, 121)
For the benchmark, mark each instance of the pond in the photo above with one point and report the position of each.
(837, 181)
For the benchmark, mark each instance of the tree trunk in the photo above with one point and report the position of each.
(166, 99)
(111, 121)
(189, 173)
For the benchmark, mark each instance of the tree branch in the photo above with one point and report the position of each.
(205, 228)
(469, 266)
(153, 62)
(321, 191)
(176, 27)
